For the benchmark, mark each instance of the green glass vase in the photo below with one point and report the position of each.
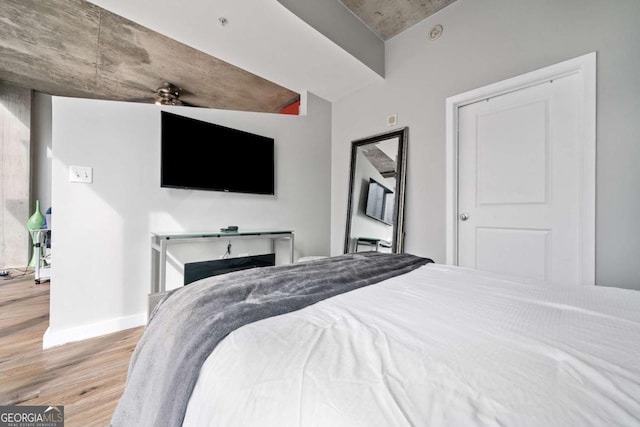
(35, 222)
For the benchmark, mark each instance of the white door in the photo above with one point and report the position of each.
(519, 182)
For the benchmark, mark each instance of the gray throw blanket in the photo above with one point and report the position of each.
(190, 321)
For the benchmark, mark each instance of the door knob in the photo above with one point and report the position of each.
(464, 217)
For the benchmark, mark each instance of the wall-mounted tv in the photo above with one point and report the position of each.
(380, 202)
(200, 155)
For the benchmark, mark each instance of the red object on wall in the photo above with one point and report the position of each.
(292, 108)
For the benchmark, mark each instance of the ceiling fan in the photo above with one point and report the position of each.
(169, 94)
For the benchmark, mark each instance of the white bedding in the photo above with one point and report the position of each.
(438, 346)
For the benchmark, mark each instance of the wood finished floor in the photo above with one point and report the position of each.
(86, 377)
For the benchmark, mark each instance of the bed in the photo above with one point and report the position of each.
(386, 340)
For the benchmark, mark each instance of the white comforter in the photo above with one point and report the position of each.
(440, 346)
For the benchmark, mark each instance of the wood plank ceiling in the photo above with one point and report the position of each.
(75, 48)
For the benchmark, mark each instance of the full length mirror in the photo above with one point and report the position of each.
(376, 193)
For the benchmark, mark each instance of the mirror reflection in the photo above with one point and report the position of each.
(376, 193)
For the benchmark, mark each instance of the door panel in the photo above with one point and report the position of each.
(519, 252)
(512, 155)
(519, 166)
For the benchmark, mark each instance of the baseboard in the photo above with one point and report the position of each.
(78, 333)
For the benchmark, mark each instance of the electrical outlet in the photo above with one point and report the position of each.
(392, 119)
(82, 174)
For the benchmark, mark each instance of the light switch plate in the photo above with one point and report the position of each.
(82, 174)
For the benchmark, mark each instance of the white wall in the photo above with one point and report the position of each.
(488, 41)
(101, 237)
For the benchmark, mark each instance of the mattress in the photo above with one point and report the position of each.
(189, 322)
(438, 346)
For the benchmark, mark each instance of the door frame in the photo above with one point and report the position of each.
(585, 67)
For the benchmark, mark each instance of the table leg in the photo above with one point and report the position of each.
(163, 266)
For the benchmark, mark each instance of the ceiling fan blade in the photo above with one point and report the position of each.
(149, 100)
(188, 104)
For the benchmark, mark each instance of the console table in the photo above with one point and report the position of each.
(160, 242)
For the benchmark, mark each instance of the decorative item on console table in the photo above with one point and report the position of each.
(47, 216)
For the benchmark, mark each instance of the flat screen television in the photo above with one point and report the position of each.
(380, 202)
(200, 155)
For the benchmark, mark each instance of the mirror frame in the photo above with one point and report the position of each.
(397, 244)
